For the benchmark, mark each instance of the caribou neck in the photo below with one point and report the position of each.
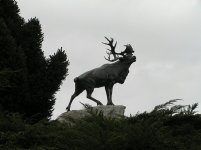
(125, 64)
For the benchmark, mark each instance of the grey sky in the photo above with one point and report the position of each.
(165, 34)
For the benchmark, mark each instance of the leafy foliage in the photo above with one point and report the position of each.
(156, 130)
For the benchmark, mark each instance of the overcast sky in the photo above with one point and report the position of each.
(165, 34)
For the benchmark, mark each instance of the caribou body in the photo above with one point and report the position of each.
(106, 75)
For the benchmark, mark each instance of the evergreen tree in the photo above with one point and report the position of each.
(12, 61)
(56, 72)
(31, 42)
(33, 80)
(9, 11)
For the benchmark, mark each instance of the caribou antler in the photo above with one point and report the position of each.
(112, 50)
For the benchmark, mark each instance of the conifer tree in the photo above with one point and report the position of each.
(31, 79)
(12, 61)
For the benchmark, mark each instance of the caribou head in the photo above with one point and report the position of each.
(125, 55)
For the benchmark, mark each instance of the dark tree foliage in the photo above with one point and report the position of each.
(12, 61)
(164, 128)
(9, 11)
(31, 42)
(29, 81)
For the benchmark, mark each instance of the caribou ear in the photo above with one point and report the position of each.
(128, 49)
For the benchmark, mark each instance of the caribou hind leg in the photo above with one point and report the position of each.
(76, 93)
(89, 92)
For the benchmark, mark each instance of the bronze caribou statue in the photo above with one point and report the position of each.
(105, 76)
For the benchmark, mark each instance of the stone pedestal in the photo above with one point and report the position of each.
(108, 111)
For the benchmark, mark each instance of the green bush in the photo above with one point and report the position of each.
(164, 128)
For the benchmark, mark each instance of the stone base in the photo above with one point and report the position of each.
(108, 111)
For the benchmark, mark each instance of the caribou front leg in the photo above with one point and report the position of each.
(109, 90)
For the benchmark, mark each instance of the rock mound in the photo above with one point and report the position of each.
(108, 111)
